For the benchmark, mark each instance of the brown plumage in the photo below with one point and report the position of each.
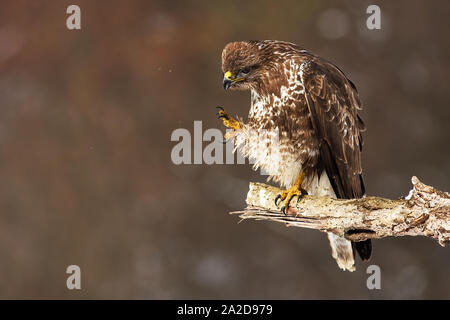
(303, 119)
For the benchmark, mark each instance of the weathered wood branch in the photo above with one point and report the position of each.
(424, 212)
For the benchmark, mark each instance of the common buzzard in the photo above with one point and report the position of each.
(303, 127)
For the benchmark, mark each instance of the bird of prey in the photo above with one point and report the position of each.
(303, 126)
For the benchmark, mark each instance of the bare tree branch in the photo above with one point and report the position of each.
(424, 212)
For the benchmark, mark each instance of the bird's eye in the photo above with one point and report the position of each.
(246, 70)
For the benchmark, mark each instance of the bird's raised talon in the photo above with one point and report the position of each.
(228, 121)
(225, 116)
(222, 114)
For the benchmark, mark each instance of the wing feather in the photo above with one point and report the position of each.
(333, 104)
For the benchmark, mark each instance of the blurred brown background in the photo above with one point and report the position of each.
(86, 176)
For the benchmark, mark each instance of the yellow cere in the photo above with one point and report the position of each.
(228, 75)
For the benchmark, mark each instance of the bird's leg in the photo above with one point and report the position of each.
(287, 195)
(228, 121)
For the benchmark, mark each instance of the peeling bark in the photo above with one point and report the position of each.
(424, 212)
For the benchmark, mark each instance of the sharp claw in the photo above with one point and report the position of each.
(224, 116)
(219, 107)
(277, 198)
(284, 211)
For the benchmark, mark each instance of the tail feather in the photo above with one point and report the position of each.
(342, 249)
(342, 252)
(364, 249)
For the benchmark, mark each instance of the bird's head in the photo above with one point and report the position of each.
(242, 65)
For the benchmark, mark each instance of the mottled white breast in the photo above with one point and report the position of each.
(271, 149)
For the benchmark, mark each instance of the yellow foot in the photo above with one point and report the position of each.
(287, 195)
(228, 121)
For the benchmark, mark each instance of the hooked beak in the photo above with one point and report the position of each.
(226, 83)
(228, 80)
